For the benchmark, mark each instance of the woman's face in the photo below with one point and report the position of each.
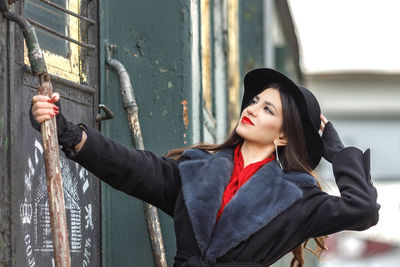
(261, 121)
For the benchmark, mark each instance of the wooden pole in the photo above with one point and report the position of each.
(58, 218)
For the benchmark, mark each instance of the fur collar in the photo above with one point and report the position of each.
(267, 194)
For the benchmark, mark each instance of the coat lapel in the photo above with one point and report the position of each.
(267, 194)
(204, 178)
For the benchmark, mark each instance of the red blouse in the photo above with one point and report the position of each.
(240, 176)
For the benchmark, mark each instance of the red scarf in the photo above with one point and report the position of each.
(240, 176)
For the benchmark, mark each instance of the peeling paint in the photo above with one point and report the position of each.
(126, 50)
(4, 142)
(185, 113)
(5, 240)
(163, 70)
(139, 46)
(184, 138)
(1, 130)
(82, 73)
(249, 13)
(169, 84)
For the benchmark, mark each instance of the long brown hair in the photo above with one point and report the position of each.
(293, 156)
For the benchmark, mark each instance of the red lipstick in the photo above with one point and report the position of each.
(246, 120)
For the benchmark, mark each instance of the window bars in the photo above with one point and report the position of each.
(63, 36)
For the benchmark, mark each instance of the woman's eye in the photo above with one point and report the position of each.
(269, 110)
(252, 102)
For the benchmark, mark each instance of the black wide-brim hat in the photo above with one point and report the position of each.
(256, 80)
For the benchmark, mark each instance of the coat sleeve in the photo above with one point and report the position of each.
(139, 173)
(355, 209)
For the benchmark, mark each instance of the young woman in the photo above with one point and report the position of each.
(250, 200)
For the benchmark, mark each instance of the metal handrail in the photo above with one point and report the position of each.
(131, 109)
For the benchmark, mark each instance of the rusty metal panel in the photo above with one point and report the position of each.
(25, 236)
(5, 194)
(30, 210)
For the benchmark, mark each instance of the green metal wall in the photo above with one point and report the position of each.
(251, 32)
(153, 41)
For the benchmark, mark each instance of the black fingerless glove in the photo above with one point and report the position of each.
(332, 142)
(69, 134)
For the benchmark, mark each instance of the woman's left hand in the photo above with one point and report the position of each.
(331, 139)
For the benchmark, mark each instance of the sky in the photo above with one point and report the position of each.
(341, 35)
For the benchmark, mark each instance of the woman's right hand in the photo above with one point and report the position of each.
(43, 107)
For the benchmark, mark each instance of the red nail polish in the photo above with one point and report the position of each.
(56, 108)
(57, 112)
(52, 115)
(49, 100)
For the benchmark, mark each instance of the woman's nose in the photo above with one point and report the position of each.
(252, 109)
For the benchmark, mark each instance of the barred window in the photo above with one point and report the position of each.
(52, 18)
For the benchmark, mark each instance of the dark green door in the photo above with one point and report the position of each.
(152, 41)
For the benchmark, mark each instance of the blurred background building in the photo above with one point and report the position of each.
(351, 60)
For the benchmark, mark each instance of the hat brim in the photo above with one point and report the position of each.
(256, 80)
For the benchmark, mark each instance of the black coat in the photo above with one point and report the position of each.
(268, 217)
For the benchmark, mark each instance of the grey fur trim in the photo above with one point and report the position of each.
(267, 194)
(203, 183)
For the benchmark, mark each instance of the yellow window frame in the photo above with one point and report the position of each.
(70, 67)
(206, 53)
